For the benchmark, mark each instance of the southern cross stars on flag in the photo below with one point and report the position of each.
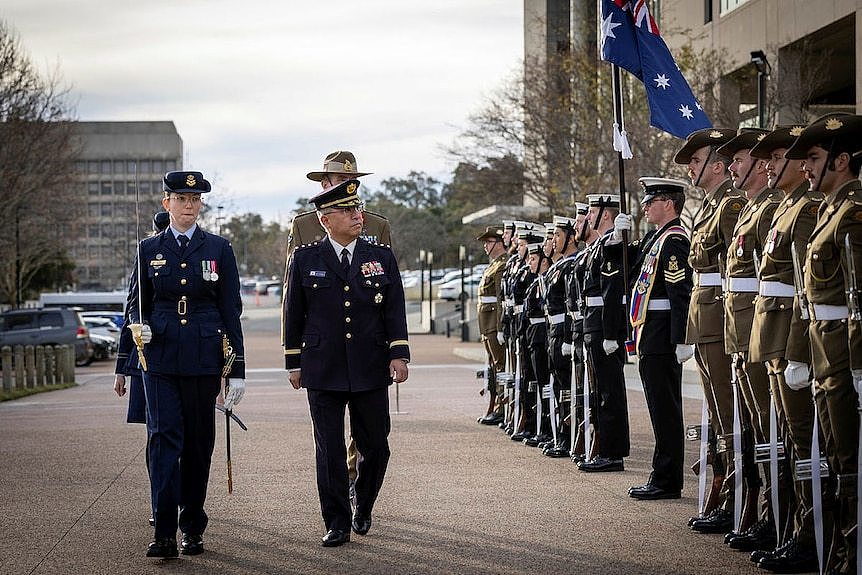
(631, 40)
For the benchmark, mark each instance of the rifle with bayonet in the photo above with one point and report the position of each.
(852, 287)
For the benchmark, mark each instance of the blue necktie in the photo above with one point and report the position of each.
(345, 259)
(184, 241)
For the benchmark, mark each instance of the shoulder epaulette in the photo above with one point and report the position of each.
(382, 217)
(306, 246)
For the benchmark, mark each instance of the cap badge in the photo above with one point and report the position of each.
(190, 181)
(833, 124)
(796, 131)
(715, 134)
(348, 167)
(351, 188)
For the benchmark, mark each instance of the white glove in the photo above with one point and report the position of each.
(501, 339)
(857, 381)
(236, 389)
(684, 352)
(141, 330)
(610, 346)
(566, 349)
(622, 223)
(796, 375)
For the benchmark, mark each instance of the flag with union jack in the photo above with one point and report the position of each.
(631, 40)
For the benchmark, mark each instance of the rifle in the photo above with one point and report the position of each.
(229, 357)
(852, 287)
(799, 282)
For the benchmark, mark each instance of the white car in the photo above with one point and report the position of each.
(102, 326)
(451, 290)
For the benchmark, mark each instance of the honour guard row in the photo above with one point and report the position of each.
(762, 291)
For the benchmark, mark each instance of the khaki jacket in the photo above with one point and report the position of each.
(749, 235)
(778, 329)
(490, 314)
(836, 345)
(711, 234)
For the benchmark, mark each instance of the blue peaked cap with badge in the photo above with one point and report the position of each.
(186, 183)
(344, 195)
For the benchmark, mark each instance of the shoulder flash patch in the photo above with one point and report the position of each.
(735, 206)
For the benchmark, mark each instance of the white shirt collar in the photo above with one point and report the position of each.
(338, 247)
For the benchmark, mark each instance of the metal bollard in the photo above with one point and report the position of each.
(40, 365)
(30, 365)
(18, 353)
(6, 367)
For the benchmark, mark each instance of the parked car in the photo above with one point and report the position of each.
(101, 326)
(452, 290)
(116, 317)
(47, 326)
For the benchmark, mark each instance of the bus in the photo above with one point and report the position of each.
(114, 301)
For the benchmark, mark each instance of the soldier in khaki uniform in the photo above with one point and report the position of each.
(827, 146)
(711, 234)
(305, 229)
(749, 237)
(490, 316)
(779, 333)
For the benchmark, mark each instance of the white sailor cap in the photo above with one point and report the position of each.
(604, 200)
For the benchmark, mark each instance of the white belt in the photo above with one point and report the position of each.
(576, 315)
(707, 280)
(776, 289)
(825, 312)
(658, 305)
(558, 318)
(595, 301)
(517, 308)
(487, 299)
(536, 320)
(510, 302)
(743, 285)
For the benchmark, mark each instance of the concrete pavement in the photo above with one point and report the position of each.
(458, 498)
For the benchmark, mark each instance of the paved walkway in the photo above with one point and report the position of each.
(458, 498)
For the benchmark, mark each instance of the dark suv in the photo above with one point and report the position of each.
(47, 326)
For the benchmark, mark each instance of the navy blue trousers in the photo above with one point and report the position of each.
(181, 435)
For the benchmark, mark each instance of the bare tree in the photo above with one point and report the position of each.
(40, 207)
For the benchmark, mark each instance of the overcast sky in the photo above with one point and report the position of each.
(261, 91)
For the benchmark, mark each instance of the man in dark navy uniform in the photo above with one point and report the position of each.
(345, 342)
(190, 314)
(660, 284)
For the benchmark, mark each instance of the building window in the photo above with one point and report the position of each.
(107, 210)
(106, 230)
(729, 5)
(119, 187)
(170, 166)
(106, 166)
(707, 11)
(94, 252)
(80, 166)
(93, 231)
(158, 166)
(130, 187)
(144, 167)
(93, 209)
(130, 166)
(92, 167)
(145, 188)
(93, 188)
(106, 188)
(118, 166)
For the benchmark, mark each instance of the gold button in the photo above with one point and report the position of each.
(183, 282)
(346, 288)
(314, 285)
(184, 298)
(157, 273)
(376, 284)
(183, 265)
(815, 257)
(781, 306)
(347, 335)
(368, 282)
(183, 322)
(347, 319)
(303, 344)
(347, 304)
(808, 246)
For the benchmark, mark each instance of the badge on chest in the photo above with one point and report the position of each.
(370, 269)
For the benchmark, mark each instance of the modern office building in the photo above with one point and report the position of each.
(811, 49)
(118, 158)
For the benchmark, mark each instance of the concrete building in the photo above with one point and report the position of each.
(117, 157)
(811, 47)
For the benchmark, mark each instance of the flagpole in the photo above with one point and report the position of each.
(624, 203)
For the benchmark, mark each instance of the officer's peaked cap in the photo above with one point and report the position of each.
(653, 187)
(186, 183)
(604, 200)
(344, 195)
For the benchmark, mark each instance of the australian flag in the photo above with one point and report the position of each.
(631, 40)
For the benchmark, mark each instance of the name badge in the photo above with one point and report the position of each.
(317, 273)
(158, 263)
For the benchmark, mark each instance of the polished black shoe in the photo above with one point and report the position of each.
(520, 436)
(719, 521)
(557, 452)
(361, 523)
(578, 457)
(794, 559)
(532, 441)
(601, 464)
(761, 535)
(192, 544)
(491, 419)
(650, 492)
(335, 537)
(165, 547)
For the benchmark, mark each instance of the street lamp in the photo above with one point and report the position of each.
(422, 287)
(462, 258)
(758, 58)
(219, 218)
